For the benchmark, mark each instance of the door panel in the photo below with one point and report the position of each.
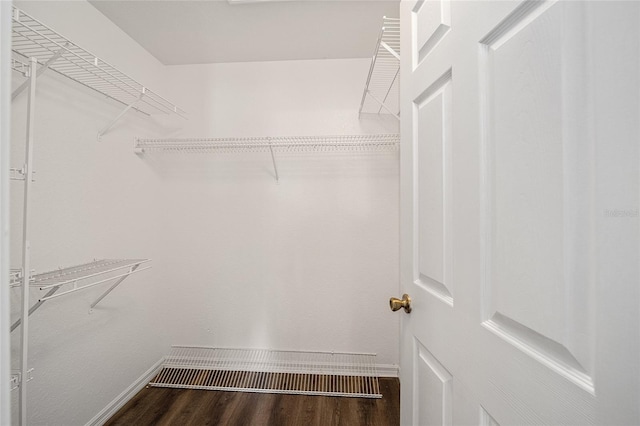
(432, 21)
(537, 172)
(432, 139)
(433, 393)
(520, 120)
(486, 419)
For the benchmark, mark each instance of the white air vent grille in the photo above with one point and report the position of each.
(270, 371)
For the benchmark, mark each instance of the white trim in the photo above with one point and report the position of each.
(388, 370)
(384, 370)
(113, 407)
(5, 121)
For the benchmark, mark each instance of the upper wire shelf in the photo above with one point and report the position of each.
(343, 143)
(382, 87)
(33, 39)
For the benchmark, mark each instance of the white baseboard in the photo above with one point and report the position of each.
(388, 370)
(113, 407)
(384, 370)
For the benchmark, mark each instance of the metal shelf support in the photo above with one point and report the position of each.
(382, 104)
(16, 378)
(119, 116)
(26, 248)
(113, 286)
(273, 160)
(40, 71)
(34, 308)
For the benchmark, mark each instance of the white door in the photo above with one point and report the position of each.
(519, 212)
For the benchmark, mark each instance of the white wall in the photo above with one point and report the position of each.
(308, 263)
(238, 260)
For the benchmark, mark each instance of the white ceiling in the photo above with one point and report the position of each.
(198, 32)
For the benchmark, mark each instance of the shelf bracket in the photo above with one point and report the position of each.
(15, 381)
(35, 307)
(119, 116)
(389, 89)
(383, 105)
(110, 289)
(40, 71)
(390, 50)
(19, 174)
(16, 378)
(273, 160)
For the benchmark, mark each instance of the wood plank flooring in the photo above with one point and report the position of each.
(165, 406)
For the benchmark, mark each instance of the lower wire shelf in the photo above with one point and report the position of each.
(75, 278)
(87, 275)
(270, 371)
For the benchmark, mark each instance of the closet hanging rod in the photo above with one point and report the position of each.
(265, 144)
(31, 38)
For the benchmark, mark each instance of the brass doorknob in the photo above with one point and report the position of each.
(396, 304)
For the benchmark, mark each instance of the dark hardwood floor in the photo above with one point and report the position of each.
(164, 406)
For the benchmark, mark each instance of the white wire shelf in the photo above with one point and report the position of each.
(69, 280)
(270, 371)
(86, 275)
(277, 144)
(33, 39)
(381, 91)
(281, 144)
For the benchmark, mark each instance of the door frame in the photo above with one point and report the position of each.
(5, 134)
